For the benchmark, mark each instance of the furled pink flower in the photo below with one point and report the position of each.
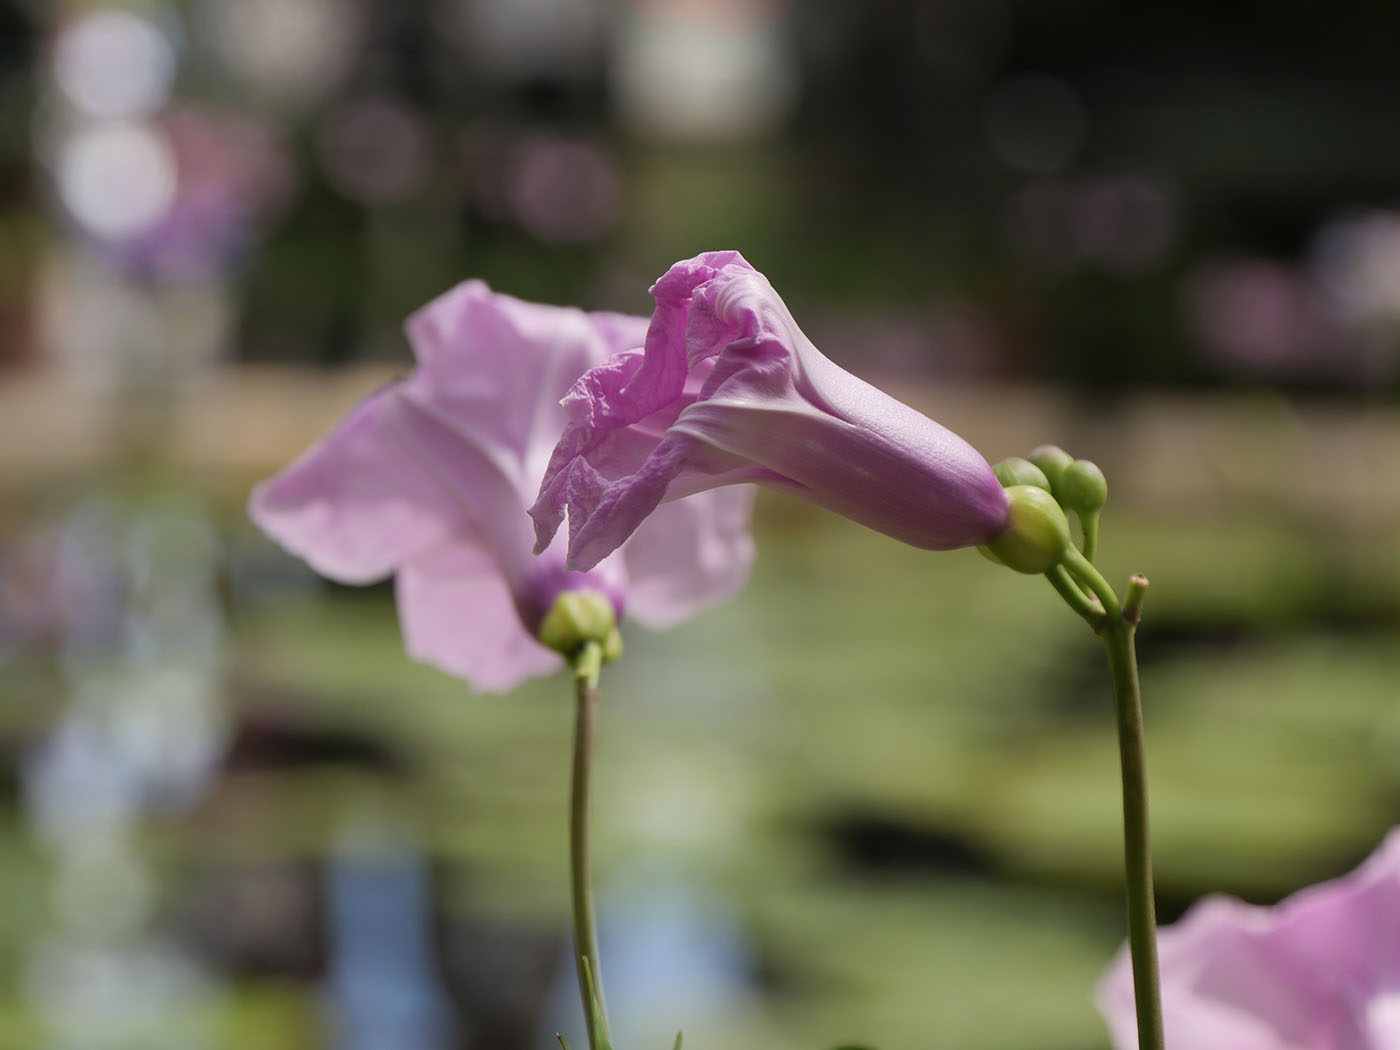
(729, 390)
(1319, 971)
(429, 479)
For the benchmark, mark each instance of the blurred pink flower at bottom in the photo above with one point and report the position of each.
(1318, 971)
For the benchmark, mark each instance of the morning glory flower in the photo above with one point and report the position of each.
(1319, 971)
(728, 390)
(428, 479)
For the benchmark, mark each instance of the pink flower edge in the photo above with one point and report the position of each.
(1319, 969)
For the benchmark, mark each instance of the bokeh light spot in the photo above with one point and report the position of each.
(113, 63)
(116, 179)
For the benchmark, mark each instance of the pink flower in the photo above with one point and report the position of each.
(729, 390)
(429, 478)
(1319, 971)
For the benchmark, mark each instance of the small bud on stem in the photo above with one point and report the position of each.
(577, 618)
(1052, 461)
(1082, 488)
(1017, 471)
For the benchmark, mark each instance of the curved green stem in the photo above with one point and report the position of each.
(1083, 570)
(590, 980)
(1088, 609)
(1089, 523)
(1117, 627)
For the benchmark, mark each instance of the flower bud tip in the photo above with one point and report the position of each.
(1015, 470)
(1082, 488)
(1053, 461)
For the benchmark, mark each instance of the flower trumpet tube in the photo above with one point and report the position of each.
(728, 390)
(428, 480)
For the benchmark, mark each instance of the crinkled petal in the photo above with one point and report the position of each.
(457, 614)
(768, 407)
(774, 399)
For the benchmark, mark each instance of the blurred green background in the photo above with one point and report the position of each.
(873, 799)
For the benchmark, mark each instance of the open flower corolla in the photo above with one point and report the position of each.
(428, 480)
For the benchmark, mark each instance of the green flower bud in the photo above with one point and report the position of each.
(1036, 536)
(1053, 461)
(577, 617)
(1018, 471)
(1082, 488)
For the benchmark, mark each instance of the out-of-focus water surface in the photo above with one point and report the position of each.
(872, 800)
(874, 796)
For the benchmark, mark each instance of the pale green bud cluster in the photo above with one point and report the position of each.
(1053, 461)
(577, 618)
(1040, 488)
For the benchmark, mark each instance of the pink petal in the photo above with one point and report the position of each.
(688, 555)
(360, 501)
(1211, 932)
(1320, 969)
(499, 365)
(457, 614)
(619, 332)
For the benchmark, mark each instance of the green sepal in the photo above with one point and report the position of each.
(678, 1041)
(1036, 535)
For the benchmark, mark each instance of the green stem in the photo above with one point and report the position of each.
(1117, 629)
(590, 979)
(1137, 853)
(1089, 523)
(1089, 609)
(1132, 604)
(1083, 570)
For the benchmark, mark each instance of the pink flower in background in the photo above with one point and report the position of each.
(429, 478)
(729, 390)
(1319, 971)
